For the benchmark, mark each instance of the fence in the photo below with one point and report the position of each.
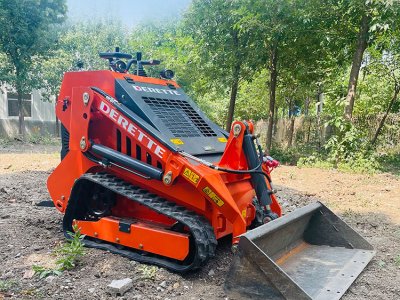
(291, 132)
(390, 135)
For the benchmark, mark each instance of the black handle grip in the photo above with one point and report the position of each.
(108, 55)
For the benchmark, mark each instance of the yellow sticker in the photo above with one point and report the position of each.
(191, 176)
(213, 196)
(177, 141)
(222, 139)
(244, 213)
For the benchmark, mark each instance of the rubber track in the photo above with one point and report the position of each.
(202, 232)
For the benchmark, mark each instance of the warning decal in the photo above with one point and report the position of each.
(191, 176)
(213, 196)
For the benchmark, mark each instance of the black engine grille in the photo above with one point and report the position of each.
(179, 117)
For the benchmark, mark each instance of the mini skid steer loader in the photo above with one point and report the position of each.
(145, 174)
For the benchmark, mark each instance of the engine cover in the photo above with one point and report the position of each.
(171, 112)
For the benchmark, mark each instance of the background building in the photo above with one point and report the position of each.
(39, 115)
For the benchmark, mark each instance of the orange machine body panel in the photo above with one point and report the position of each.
(141, 236)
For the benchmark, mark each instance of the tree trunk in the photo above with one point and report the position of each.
(291, 131)
(21, 117)
(235, 81)
(275, 127)
(234, 90)
(309, 130)
(273, 60)
(291, 104)
(306, 106)
(382, 122)
(362, 41)
(319, 110)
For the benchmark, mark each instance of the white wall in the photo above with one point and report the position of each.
(42, 120)
(41, 110)
(3, 103)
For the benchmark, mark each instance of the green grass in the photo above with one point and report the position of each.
(390, 163)
(6, 141)
(315, 161)
(37, 139)
(357, 164)
(67, 255)
(41, 139)
(290, 156)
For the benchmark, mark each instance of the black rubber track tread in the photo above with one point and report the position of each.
(202, 232)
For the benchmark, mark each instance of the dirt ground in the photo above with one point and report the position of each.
(29, 233)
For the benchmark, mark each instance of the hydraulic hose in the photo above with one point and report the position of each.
(212, 166)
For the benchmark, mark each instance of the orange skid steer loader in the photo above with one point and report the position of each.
(145, 174)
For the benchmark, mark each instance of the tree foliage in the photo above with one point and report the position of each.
(78, 48)
(241, 59)
(25, 39)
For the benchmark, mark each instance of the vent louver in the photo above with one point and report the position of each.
(179, 117)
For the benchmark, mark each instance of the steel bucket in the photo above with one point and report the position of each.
(307, 254)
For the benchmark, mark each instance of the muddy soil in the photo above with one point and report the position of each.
(30, 233)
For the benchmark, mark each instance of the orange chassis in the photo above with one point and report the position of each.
(224, 199)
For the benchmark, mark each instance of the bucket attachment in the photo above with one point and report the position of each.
(307, 254)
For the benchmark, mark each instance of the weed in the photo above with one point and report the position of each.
(390, 162)
(360, 164)
(5, 141)
(6, 285)
(348, 213)
(314, 161)
(397, 260)
(347, 149)
(68, 254)
(42, 139)
(32, 292)
(148, 272)
(381, 263)
(44, 272)
(284, 156)
(355, 164)
(34, 138)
